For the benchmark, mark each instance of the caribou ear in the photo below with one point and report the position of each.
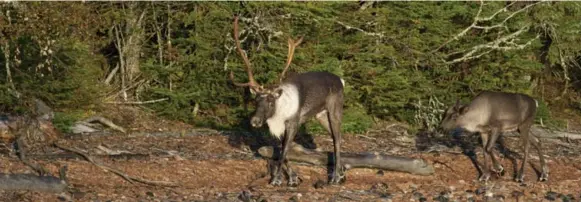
(253, 91)
(277, 92)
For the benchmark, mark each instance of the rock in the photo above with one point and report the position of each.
(319, 184)
(470, 199)
(386, 196)
(379, 188)
(480, 191)
(517, 194)
(82, 128)
(419, 196)
(380, 173)
(150, 194)
(566, 198)
(245, 196)
(43, 111)
(296, 198)
(499, 197)
(443, 197)
(551, 196)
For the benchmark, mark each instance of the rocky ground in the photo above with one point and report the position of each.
(223, 166)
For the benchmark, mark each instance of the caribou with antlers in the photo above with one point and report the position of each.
(289, 104)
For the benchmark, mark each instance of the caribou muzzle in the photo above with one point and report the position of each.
(256, 121)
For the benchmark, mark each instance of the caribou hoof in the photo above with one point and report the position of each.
(276, 181)
(293, 181)
(520, 178)
(544, 177)
(484, 177)
(337, 179)
(499, 170)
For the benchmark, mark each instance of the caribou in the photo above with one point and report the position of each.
(290, 103)
(492, 113)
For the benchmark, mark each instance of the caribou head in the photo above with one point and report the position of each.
(266, 97)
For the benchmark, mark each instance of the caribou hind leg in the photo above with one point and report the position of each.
(323, 118)
(335, 110)
(485, 168)
(524, 136)
(536, 142)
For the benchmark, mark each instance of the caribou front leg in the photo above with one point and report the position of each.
(496, 166)
(290, 131)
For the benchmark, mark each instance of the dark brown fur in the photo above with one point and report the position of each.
(319, 94)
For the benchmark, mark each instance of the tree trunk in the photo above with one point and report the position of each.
(134, 35)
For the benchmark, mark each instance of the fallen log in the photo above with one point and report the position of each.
(546, 133)
(31, 182)
(348, 160)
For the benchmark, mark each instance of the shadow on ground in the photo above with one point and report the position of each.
(256, 138)
(437, 141)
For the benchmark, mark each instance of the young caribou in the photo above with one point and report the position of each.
(286, 106)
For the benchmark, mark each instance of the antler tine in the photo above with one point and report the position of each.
(291, 51)
(251, 82)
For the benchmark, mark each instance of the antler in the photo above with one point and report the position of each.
(291, 51)
(251, 82)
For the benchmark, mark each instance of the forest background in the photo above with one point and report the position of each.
(402, 61)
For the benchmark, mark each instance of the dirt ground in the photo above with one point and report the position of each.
(224, 166)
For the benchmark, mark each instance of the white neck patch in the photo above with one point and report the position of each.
(287, 106)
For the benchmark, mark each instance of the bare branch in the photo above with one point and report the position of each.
(503, 43)
(140, 102)
(493, 15)
(131, 179)
(110, 76)
(478, 19)
(380, 34)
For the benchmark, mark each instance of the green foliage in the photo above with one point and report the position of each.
(392, 55)
(355, 120)
(70, 82)
(64, 120)
(9, 102)
(545, 117)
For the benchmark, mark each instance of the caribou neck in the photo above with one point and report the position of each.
(286, 107)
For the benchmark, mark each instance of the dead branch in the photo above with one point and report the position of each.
(112, 152)
(111, 75)
(503, 43)
(348, 160)
(130, 179)
(105, 122)
(478, 19)
(32, 182)
(139, 102)
(348, 27)
(134, 84)
(380, 38)
(21, 151)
